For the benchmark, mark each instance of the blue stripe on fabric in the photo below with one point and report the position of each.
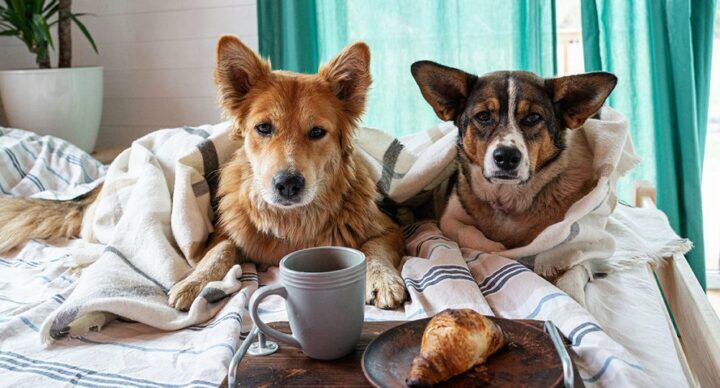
(498, 273)
(45, 278)
(605, 366)
(438, 268)
(477, 256)
(70, 159)
(440, 275)
(421, 288)
(14, 161)
(117, 253)
(489, 291)
(544, 299)
(229, 317)
(19, 262)
(418, 248)
(575, 336)
(580, 336)
(146, 349)
(94, 376)
(436, 247)
(29, 324)
(35, 180)
(498, 276)
(20, 367)
(24, 147)
(577, 329)
(62, 178)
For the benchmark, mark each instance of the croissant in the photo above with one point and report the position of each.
(453, 342)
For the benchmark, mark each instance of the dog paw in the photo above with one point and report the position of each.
(573, 283)
(184, 292)
(93, 321)
(471, 237)
(385, 288)
(487, 246)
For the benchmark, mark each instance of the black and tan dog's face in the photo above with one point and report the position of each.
(511, 123)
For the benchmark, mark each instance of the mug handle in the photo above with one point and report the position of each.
(258, 296)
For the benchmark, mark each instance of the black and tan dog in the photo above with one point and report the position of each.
(521, 165)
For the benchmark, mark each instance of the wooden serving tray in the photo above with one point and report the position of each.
(289, 366)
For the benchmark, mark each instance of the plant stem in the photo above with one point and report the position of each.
(41, 57)
(64, 34)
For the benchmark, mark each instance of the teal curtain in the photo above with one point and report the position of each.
(661, 52)
(477, 36)
(288, 34)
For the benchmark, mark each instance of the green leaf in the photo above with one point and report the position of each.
(84, 30)
(50, 12)
(41, 28)
(18, 5)
(9, 33)
(51, 4)
(37, 6)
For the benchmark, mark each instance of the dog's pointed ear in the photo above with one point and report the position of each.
(446, 89)
(349, 77)
(580, 96)
(238, 68)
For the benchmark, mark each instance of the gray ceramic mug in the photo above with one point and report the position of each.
(324, 291)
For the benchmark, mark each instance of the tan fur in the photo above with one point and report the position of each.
(342, 210)
(23, 219)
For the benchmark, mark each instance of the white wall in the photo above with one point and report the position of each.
(158, 57)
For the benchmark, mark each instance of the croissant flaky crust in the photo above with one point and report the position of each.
(453, 342)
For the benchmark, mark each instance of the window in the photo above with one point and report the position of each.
(711, 169)
(569, 37)
(570, 61)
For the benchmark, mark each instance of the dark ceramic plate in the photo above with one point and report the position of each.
(528, 360)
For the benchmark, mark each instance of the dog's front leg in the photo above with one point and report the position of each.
(385, 288)
(468, 236)
(216, 262)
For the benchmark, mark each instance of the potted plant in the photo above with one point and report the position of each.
(65, 102)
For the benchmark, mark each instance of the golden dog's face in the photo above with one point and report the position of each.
(511, 124)
(296, 129)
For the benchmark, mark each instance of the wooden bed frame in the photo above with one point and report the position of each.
(698, 328)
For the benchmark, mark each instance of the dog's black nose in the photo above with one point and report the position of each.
(507, 158)
(288, 184)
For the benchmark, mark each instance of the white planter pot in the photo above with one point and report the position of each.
(66, 103)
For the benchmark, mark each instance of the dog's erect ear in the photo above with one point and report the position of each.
(349, 77)
(579, 96)
(238, 69)
(445, 88)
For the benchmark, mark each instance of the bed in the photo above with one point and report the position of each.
(39, 278)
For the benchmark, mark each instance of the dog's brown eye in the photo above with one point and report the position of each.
(316, 133)
(264, 129)
(531, 119)
(484, 117)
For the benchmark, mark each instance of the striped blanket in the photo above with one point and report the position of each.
(156, 208)
(44, 166)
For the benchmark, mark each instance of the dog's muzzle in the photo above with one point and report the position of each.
(288, 186)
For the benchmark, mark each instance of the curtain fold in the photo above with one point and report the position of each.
(288, 34)
(661, 52)
(477, 36)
